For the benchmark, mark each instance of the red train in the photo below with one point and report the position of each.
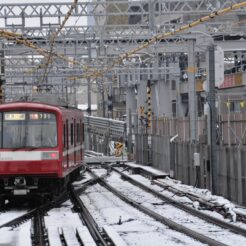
(41, 148)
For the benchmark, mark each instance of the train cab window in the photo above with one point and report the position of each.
(22, 129)
(72, 132)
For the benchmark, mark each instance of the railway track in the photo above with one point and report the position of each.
(233, 228)
(131, 225)
(99, 236)
(211, 240)
(44, 233)
(39, 232)
(32, 213)
(205, 205)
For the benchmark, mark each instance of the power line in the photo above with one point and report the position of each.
(159, 37)
(53, 38)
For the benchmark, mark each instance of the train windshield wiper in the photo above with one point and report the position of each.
(29, 147)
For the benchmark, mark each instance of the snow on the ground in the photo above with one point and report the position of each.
(174, 213)
(206, 195)
(10, 215)
(132, 225)
(20, 236)
(87, 177)
(203, 194)
(147, 168)
(63, 216)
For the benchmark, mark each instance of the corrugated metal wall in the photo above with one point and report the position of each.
(164, 126)
(232, 173)
(177, 158)
(142, 149)
(182, 157)
(231, 128)
(160, 152)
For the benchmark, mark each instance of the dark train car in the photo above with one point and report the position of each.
(41, 148)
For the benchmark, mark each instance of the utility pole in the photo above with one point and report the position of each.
(212, 130)
(89, 81)
(129, 140)
(2, 73)
(89, 99)
(192, 91)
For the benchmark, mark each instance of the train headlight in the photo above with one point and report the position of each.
(50, 155)
(20, 181)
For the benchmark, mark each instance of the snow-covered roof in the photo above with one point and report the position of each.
(85, 106)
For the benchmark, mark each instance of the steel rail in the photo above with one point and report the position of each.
(87, 218)
(173, 225)
(191, 196)
(39, 236)
(197, 213)
(21, 219)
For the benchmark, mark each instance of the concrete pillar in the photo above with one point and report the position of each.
(161, 98)
(131, 103)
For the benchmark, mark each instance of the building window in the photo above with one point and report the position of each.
(235, 106)
(173, 85)
(174, 108)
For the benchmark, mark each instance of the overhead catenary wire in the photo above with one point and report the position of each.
(93, 74)
(53, 38)
(20, 39)
(163, 36)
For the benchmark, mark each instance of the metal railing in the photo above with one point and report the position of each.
(105, 126)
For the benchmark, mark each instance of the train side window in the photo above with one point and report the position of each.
(82, 132)
(71, 125)
(1, 130)
(78, 133)
(64, 136)
(67, 134)
(74, 124)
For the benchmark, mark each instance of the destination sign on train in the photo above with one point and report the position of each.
(14, 116)
(39, 116)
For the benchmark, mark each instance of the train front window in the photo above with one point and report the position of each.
(28, 129)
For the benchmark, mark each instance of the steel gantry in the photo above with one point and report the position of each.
(131, 35)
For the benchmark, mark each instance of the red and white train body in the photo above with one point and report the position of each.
(41, 148)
